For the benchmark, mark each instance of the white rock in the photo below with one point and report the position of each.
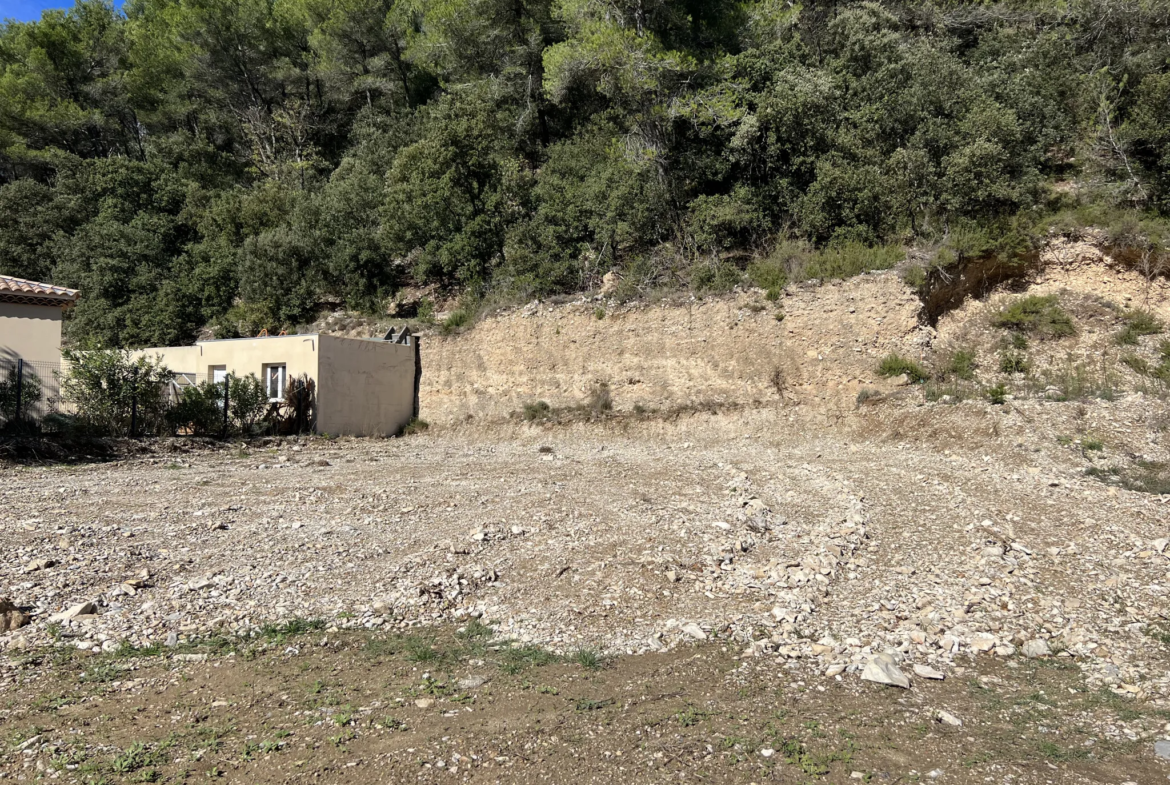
(80, 609)
(948, 718)
(695, 631)
(982, 643)
(881, 670)
(927, 672)
(1037, 647)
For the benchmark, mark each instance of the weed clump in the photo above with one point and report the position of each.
(1013, 362)
(865, 395)
(894, 364)
(538, 410)
(960, 364)
(456, 320)
(1037, 315)
(415, 425)
(997, 394)
(600, 400)
(1137, 324)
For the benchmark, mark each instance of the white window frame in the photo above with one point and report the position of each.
(281, 379)
(218, 373)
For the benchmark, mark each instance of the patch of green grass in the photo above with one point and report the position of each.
(1140, 475)
(954, 393)
(587, 658)
(997, 394)
(1036, 315)
(1054, 752)
(1135, 363)
(287, 629)
(423, 650)
(457, 319)
(770, 275)
(1137, 324)
(515, 659)
(102, 670)
(691, 716)
(136, 756)
(847, 259)
(959, 364)
(894, 364)
(1092, 444)
(1078, 381)
(588, 704)
(1013, 362)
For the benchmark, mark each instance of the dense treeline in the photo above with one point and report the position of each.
(243, 162)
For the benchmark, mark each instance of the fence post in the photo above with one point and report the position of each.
(19, 390)
(134, 404)
(226, 401)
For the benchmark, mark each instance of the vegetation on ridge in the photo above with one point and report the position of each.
(244, 163)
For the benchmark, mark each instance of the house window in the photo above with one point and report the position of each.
(274, 377)
(218, 373)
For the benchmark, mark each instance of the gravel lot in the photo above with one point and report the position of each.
(629, 536)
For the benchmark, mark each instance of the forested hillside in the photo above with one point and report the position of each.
(246, 162)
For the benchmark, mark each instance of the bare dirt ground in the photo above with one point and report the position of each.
(747, 539)
(442, 706)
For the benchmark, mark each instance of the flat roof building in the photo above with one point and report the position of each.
(363, 387)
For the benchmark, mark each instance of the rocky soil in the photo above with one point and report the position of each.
(820, 549)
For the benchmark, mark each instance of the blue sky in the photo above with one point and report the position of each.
(28, 10)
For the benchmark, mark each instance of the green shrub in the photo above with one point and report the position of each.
(537, 410)
(1039, 315)
(715, 276)
(960, 364)
(1136, 364)
(1013, 362)
(894, 364)
(455, 320)
(247, 403)
(105, 384)
(1137, 324)
(199, 410)
(770, 274)
(1092, 444)
(845, 260)
(1019, 341)
(997, 394)
(914, 276)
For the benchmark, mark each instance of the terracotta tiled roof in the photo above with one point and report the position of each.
(19, 286)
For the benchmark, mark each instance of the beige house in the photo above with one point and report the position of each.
(364, 387)
(30, 319)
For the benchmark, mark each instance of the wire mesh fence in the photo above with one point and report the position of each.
(57, 398)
